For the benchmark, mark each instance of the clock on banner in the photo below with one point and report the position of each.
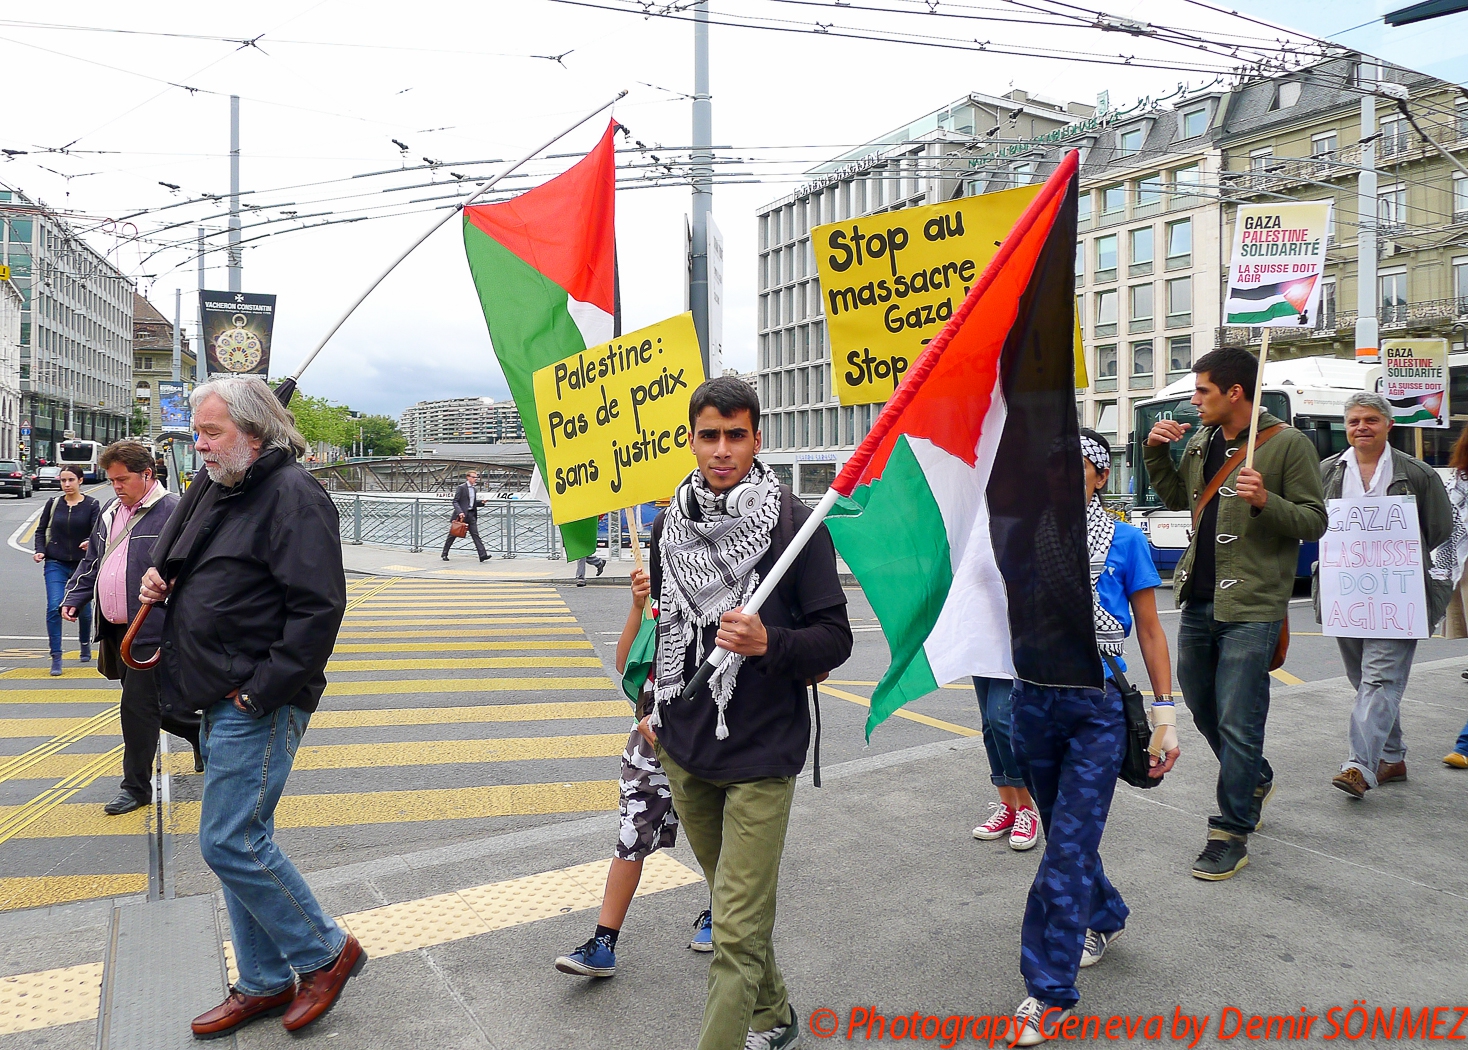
(237, 328)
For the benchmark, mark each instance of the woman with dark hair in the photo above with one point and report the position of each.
(61, 543)
(1450, 557)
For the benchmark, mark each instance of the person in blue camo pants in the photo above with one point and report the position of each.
(1069, 744)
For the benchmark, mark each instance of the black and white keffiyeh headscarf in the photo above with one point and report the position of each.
(708, 569)
(1100, 528)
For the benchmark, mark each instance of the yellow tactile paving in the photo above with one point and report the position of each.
(467, 663)
(466, 685)
(345, 810)
(47, 998)
(42, 891)
(457, 646)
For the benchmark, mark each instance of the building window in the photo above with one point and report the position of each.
(1325, 318)
(1083, 207)
(1106, 363)
(1179, 354)
(1106, 313)
(1180, 302)
(1081, 311)
(1394, 136)
(1185, 181)
(1142, 363)
(1113, 200)
(1106, 258)
(1080, 266)
(1140, 261)
(1323, 145)
(1460, 198)
(1179, 244)
(1460, 283)
(1140, 318)
(1131, 142)
(1106, 418)
(1391, 208)
(1393, 297)
(1149, 193)
(1195, 122)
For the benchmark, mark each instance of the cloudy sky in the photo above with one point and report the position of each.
(106, 119)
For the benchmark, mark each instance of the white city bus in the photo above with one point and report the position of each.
(85, 454)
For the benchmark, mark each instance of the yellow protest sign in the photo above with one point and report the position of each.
(890, 281)
(614, 420)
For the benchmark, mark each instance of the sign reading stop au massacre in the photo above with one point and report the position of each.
(889, 282)
(614, 420)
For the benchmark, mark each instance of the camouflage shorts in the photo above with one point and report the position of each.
(646, 804)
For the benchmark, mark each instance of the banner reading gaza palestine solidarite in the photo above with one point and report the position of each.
(1278, 258)
(614, 420)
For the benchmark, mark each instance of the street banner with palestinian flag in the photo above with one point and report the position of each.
(1274, 276)
(544, 264)
(962, 513)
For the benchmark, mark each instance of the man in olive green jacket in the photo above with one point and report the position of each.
(1234, 581)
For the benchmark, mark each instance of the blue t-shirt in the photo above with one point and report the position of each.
(1128, 569)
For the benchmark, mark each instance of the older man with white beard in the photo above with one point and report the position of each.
(255, 592)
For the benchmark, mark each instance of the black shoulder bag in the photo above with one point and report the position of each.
(1135, 760)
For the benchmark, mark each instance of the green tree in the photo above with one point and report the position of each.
(380, 436)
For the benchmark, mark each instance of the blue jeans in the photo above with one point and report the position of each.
(58, 575)
(1223, 669)
(277, 925)
(1462, 745)
(1069, 743)
(995, 717)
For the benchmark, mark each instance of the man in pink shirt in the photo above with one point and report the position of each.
(118, 554)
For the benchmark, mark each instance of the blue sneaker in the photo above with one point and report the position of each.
(703, 933)
(595, 958)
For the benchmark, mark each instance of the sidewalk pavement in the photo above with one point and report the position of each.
(887, 902)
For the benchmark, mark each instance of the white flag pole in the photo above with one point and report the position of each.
(767, 586)
(1258, 399)
(440, 222)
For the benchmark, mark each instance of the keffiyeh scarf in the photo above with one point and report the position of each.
(1100, 528)
(1449, 558)
(708, 569)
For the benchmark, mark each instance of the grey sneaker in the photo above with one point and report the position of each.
(1222, 858)
(782, 1038)
(1096, 944)
(1037, 1022)
(1262, 794)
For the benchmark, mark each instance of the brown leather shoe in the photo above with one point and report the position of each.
(318, 990)
(1390, 772)
(1349, 780)
(239, 1010)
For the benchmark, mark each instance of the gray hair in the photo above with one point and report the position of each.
(254, 408)
(1367, 399)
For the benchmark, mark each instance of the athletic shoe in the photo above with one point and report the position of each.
(1097, 941)
(1030, 1017)
(703, 933)
(1262, 794)
(782, 1038)
(595, 958)
(1456, 759)
(1222, 858)
(600, 564)
(1352, 781)
(998, 825)
(1026, 829)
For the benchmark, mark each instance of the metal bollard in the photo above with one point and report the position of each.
(415, 528)
(357, 520)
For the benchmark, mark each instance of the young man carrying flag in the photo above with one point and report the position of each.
(732, 751)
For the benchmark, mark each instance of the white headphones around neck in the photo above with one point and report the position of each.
(741, 500)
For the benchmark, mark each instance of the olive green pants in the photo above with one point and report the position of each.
(737, 831)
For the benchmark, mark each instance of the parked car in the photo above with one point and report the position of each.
(14, 478)
(48, 478)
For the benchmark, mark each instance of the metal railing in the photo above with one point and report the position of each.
(509, 528)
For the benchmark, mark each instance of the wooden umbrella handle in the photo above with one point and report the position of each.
(127, 642)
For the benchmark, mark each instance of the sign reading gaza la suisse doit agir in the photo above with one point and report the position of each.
(614, 420)
(1278, 259)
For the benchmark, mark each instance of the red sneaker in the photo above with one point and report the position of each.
(997, 825)
(1026, 829)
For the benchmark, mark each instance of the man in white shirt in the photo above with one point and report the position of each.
(1378, 667)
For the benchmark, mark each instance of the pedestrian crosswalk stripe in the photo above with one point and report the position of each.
(444, 644)
(34, 727)
(331, 811)
(388, 756)
(39, 891)
(468, 663)
(106, 695)
(368, 593)
(911, 716)
(494, 632)
(86, 673)
(17, 821)
(21, 765)
(465, 604)
(599, 683)
(422, 716)
(416, 621)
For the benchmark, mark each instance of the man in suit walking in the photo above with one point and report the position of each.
(466, 509)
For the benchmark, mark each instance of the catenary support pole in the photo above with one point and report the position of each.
(200, 357)
(236, 259)
(702, 171)
(1368, 346)
(767, 586)
(177, 373)
(286, 388)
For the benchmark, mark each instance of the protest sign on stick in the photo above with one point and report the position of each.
(1372, 577)
(1415, 382)
(614, 420)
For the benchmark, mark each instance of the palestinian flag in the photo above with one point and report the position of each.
(544, 265)
(962, 513)
(1267, 302)
(1418, 408)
